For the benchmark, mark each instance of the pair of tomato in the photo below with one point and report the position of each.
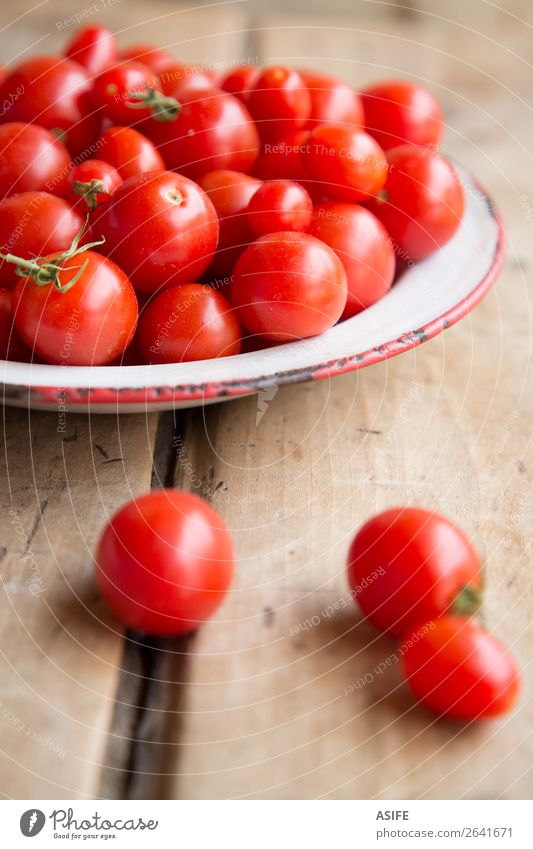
(417, 577)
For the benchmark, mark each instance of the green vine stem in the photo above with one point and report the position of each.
(161, 107)
(89, 191)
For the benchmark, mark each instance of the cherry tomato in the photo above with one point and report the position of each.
(189, 322)
(94, 47)
(213, 131)
(288, 286)
(115, 89)
(279, 102)
(11, 345)
(282, 160)
(332, 101)
(161, 228)
(154, 57)
(346, 162)
(31, 159)
(422, 202)
(457, 669)
(89, 324)
(240, 80)
(129, 152)
(33, 224)
(54, 93)
(230, 193)
(177, 74)
(279, 205)
(399, 112)
(94, 181)
(165, 562)
(408, 565)
(362, 245)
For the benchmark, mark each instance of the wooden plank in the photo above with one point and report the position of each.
(60, 650)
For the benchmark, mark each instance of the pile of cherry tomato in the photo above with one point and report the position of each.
(151, 212)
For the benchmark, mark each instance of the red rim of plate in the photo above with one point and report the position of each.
(72, 396)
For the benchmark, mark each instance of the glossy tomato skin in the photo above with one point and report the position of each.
(288, 286)
(407, 565)
(230, 193)
(164, 563)
(346, 163)
(212, 132)
(458, 670)
(279, 102)
(176, 75)
(31, 159)
(33, 224)
(55, 95)
(422, 204)
(94, 47)
(90, 324)
(161, 228)
(362, 245)
(129, 152)
(279, 205)
(85, 173)
(11, 345)
(240, 80)
(398, 112)
(185, 323)
(111, 92)
(332, 101)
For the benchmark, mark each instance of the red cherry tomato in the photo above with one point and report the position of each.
(400, 112)
(54, 93)
(161, 228)
(422, 203)
(346, 163)
(288, 286)
(189, 322)
(279, 205)
(31, 159)
(332, 101)
(89, 324)
(456, 669)
(94, 47)
(230, 193)
(129, 152)
(177, 74)
(362, 245)
(282, 160)
(408, 565)
(240, 80)
(213, 131)
(154, 57)
(279, 102)
(165, 562)
(33, 224)
(114, 91)
(11, 345)
(94, 181)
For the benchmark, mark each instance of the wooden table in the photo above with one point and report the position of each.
(258, 704)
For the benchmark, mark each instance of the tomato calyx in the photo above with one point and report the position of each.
(89, 191)
(161, 107)
(468, 601)
(45, 273)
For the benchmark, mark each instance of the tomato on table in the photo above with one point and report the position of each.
(31, 159)
(332, 101)
(189, 322)
(165, 563)
(458, 670)
(92, 180)
(94, 47)
(346, 163)
(230, 193)
(129, 152)
(279, 205)
(398, 112)
(422, 202)
(408, 565)
(33, 224)
(279, 102)
(362, 245)
(161, 228)
(288, 286)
